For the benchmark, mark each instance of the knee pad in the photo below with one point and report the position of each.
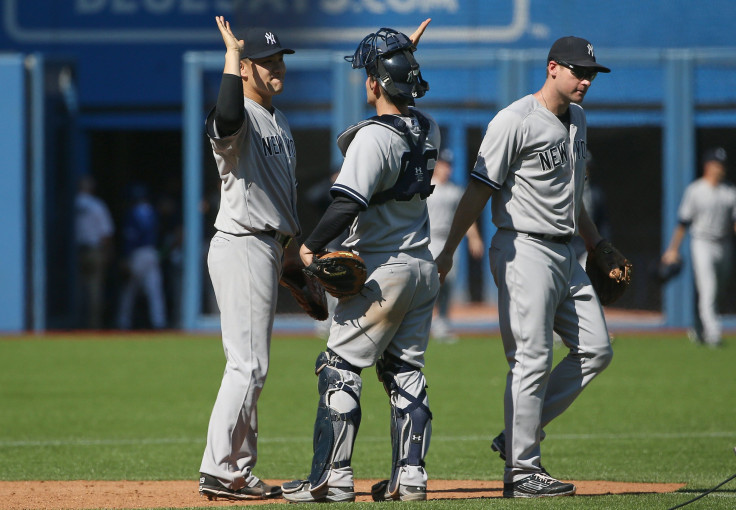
(338, 416)
(411, 426)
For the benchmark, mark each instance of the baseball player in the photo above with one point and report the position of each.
(380, 195)
(256, 160)
(708, 209)
(532, 162)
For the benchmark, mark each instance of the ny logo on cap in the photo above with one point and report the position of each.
(270, 38)
(590, 50)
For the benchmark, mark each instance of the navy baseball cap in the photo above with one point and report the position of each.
(715, 154)
(576, 51)
(261, 43)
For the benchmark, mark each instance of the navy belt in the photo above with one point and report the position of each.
(546, 237)
(549, 237)
(280, 238)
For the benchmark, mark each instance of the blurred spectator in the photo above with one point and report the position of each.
(142, 267)
(168, 206)
(93, 229)
(708, 209)
(441, 205)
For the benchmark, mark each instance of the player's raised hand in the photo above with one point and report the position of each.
(419, 31)
(231, 42)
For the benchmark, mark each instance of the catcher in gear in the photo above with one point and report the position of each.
(609, 272)
(380, 194)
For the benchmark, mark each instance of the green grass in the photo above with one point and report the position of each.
(137, 407)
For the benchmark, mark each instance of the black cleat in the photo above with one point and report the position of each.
(537, 485)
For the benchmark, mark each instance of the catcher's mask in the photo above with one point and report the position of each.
(388, 56)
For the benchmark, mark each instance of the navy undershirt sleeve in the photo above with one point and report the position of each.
(229, 112)
(339, 216)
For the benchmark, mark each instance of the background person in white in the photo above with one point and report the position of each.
(708, 209)
(441, 205)
(532, 162)
(94, 231)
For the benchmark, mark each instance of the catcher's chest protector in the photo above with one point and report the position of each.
(414, 176)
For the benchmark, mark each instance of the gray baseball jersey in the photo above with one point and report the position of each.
(394, 311)
(257, 166)
(537, 167)
(710, 211)
(372, 163)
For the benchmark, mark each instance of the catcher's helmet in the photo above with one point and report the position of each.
(388, 56)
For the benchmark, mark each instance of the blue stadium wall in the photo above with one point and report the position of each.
(129, 52)
(127, 62)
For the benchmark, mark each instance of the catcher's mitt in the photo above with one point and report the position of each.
(306, 290)
(609, 272)
(341, 273)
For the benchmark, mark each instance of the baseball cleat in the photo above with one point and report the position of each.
(298, 491)
(536, 486)
(499, 445)
(210, 487)
(695, 337)
(379, 492)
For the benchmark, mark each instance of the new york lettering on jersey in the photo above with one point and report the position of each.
(275, 145)
(554, 157)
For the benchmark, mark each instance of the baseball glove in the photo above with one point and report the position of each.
(306, 290)
(664, 272)
(609, 272)
(341, 273)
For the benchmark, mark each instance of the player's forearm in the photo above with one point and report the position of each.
(468, 209)
(339, 216)
(677, 236)
(587, 230)
(229, 112)
(232, 62)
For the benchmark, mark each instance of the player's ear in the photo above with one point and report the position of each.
(244, 67)
(553, 68)
(374, 86)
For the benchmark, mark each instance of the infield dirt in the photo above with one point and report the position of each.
(67, 495)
